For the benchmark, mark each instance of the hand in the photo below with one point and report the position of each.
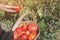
(8, 8)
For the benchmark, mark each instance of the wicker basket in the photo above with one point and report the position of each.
(19, 22)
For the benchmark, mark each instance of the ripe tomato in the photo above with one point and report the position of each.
(29, 39)
(24, 27)
(17, 9)
(32, 27)
(18, 29)
(27, 32)
(21, 33)
(18, 38)
(32, 35)
(24, 36)
(15, 35)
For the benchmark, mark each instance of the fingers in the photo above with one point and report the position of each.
(9, 10)
(8, 6)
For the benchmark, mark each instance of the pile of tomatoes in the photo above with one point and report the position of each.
(25, 32)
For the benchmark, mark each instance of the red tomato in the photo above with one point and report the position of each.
(32, 27)
(27, 32)
(18, 29)
(24, 27)
(29, 39)
(32, 35)
(21, 33)
(18, 9)
(15, 35)
(18, 38)
(24, 36)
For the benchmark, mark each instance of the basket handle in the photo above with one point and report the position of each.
(20, 19)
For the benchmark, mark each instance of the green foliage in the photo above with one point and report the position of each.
(42, 25)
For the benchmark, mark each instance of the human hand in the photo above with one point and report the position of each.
(9, 8)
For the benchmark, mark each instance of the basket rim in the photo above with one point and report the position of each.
(25, 22)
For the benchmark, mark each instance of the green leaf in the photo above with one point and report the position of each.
(42, 25)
